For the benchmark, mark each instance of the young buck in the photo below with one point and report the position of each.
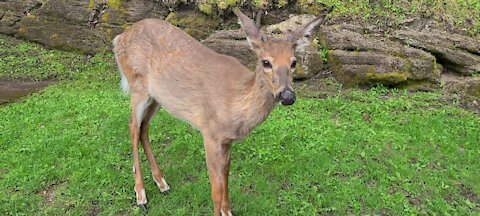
(162, 66)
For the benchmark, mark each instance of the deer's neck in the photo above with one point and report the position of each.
(256, 104)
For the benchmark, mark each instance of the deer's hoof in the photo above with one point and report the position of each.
(143, 207)
(162, 185)
(229, 213)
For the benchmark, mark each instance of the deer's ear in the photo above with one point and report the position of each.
(304, 35)
(251, 30)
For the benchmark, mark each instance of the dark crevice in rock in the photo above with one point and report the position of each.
(356, 49)
(96, 15)
(473, 52)
(14, 22)
(441, 59)
(34, 8)
(447, 64)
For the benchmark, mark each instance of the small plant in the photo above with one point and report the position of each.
(476, 74)
(323, 54)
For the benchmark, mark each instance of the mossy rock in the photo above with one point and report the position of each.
(365, 60)
(474, 89)
(392, 77)
(58, 34)
(369, 68)
(196, 24)
(465, 88)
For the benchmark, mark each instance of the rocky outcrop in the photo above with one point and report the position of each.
(455, 52)
(357, 55)
(194, 23)
(11, 12)
(86, 26)
(465, 87)
(360, 59)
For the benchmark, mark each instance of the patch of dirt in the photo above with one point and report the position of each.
(468, 194)
(95, 210)
(248, 189)
(414, 200)
(320, 86)
(465, 92)
(286, 185)
(49, 193)
(448, 77)
(167, 142)
(11, 90)
(3, 173)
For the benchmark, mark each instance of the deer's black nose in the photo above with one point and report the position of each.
(287, 97)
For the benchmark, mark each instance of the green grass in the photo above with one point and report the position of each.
(22, 60)
(363, 152)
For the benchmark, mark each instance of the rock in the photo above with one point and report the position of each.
(50, 25)
(196, 24)
(458, 53)
(234, 43)
(289, 25)
(11, 12)
(358, 59)
(466, 88)
(58, 34)
(86, 26)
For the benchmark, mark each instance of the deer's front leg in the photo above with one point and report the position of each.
(225, 171)
(218, 164)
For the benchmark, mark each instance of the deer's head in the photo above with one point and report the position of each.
(276, 57)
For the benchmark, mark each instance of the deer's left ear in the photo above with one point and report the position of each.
(251, 30)
(304, 35)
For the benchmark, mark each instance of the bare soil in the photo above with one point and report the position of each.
(49, 193)
(11, 90)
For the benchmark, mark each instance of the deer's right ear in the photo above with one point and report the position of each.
(304, 35)
(251, 30)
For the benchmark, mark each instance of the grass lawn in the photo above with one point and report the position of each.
(66, 150)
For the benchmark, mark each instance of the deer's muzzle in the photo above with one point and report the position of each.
(287, 97)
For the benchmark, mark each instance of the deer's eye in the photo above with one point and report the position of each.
(266, 64)
(294, 64)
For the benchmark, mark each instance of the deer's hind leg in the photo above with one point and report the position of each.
(150, 112)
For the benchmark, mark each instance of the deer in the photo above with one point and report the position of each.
(161, 66)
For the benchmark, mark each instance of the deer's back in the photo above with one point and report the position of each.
(188, 79)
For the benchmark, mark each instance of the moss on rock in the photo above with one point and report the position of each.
(474, 89)
(387, 78)
(114, 4)
(196, 24)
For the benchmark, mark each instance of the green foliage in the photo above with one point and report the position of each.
(114, 4)
(323, 54)
(463, 14)
(476, 74)
(66, 150)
